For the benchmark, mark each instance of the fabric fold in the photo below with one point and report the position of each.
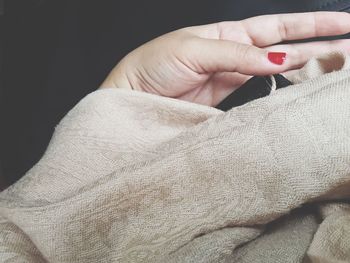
(133, 177)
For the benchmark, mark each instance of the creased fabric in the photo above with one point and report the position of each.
(134, 177)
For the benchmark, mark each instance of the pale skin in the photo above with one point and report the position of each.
(203, 64)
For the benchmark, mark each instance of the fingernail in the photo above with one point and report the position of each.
(277, 57)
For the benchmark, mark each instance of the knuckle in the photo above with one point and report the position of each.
(188, 44)
(245, 51)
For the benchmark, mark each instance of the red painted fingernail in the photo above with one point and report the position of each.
(277, 57)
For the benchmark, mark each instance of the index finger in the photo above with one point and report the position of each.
(268, 30)
(271, 29)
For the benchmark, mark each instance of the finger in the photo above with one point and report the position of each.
(299, 54)
(209, 56)
(267, 30)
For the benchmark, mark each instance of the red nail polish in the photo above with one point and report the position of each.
(277, 57)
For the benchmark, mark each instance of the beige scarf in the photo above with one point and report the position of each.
(134, 177)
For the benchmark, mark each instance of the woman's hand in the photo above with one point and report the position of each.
(203, 64)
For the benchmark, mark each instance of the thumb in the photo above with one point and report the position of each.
(209, 55)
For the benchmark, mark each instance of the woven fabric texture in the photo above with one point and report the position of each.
(134, 177)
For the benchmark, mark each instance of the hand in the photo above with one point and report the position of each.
(204, 64)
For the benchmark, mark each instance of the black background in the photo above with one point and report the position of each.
(54, 52)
